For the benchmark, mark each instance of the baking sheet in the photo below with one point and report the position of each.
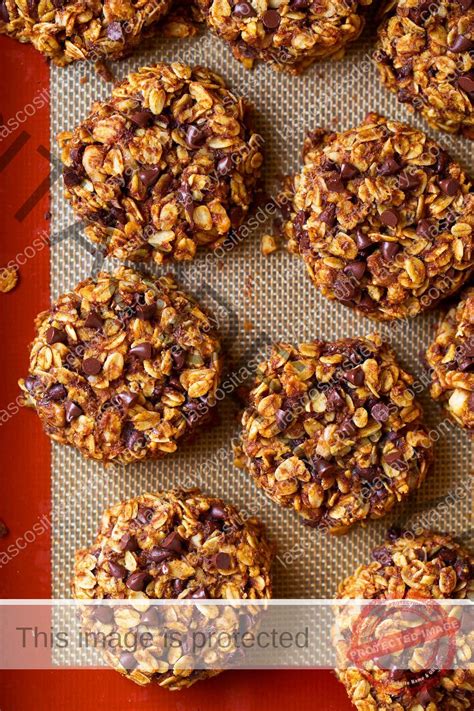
(257, 300)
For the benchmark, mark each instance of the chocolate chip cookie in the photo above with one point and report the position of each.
(333, 430)
(420, 567)
(383, 218)
(425, 55)
(451, 358)
(69, 31)
(288, 34)
(123, 367)
(171, 545)
(164, 166)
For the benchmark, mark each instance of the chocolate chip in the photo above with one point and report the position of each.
(328, 215)
(283, 419)
(449, 186)
(394, 456)
(348, 171)
(442, 163)
(195, 137)
(127, 399)
(355, 376)
(367, 304)
(389, 167)
(72, 410)
(54, 335)
(335, 185)
(31, 383)
(389, 250)
(380, 412)
(104, 614)
(144, 514)
(3, 529)
(117, 570)
(173, 542)
(325, 468)
(149, 176)
(179, 358)
(4, 12)
(72, 177)
(145, 312)
(225, 165)
(56, 392)
(389, 218)
(91, 366)
(382, 555)
(217, 513)
(150, 617)
(93, 320)
(393, 533)
(115, 32)
(447, 555)
(223, 561)
(143, 351)
(408, 180)
(466, 365)
(132, 437)
(466, 83)
(243, 9)
(138, 580)
(199, 594)
(128, 661)
(143, 118)
(335, 401)
(362, 241)
(271, 19)
(465, 4)
(356, 269)
(158, 555)
(128, 542)
(462, 44)
(423, 229)
(299, 4)
(178, 586)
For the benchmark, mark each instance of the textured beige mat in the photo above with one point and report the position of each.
(257, 299)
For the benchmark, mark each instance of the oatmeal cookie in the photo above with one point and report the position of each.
(120, 365)
(383, 218)
(451, 357)
(425, 566)
(289, 34)
(171, 545)
(333, 431)
(167, 164)
(70, 30)
(425, 55)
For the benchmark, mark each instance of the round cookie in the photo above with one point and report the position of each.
(425, 566)
(123, 367)
(451, 358)
(69, 31)
(383, 218)
(167, 164)
(170, 545)
(333, 431)
(288, 34)
(425, 55)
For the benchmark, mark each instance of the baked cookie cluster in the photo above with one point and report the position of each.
(383, 218)
(288, 34)
(451, 358)
(425, 54)
(422, 567)
(67, 31)
(123, 367)
(164, 166)
(171, 545)
(333, 431)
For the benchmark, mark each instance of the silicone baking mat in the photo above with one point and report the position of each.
(257, 300)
